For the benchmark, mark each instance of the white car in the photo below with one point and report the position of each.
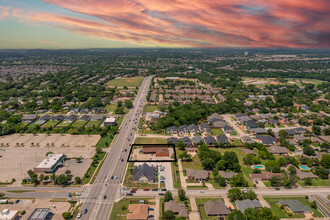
(79, 214)
(201, 191)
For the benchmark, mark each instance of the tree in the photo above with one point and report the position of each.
(68, 172)
(182, 195)
(308, 181)
(236, 215)
(314, 204)
(181, 145)
(185, 156)
(41, 177)
(292, 170)
(61, 180)
(221, 181)
(98, 150)
(128, 104)
(325, 161)
(49, 152)
(316, 129)
(168, 215)
(66, 215)
(308, 150)
(322, 172)
(238, 181)
(77, 179)
(276, 181)
(234, 194)
(168, 196)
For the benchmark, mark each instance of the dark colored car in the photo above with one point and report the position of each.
(277, 188)
(129, 194)
(154, 189)
(161, 194)
(85, 211)
(17, 201)
(104, 197)
(164, 189)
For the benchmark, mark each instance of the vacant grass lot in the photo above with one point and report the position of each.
(216, 131)
(129, 82)
(141, 140)
(317, 182)
(111, 107)
(151, 108)
(276, 209)
(195, 164)
(91, 123)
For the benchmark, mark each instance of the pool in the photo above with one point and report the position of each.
(258, 166)
(39, 122)
(304, 167)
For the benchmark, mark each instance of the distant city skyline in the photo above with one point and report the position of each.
(60, 24)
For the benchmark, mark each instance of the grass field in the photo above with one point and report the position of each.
(141, 140)
(63, 124)
(276, 209)
(78, 124)
(176, 175)
(91, 123)
(197, 187)
(216, 131)
(150, 108)
(93, 168)
(237, 142)
(317, 182)
(49, 124)
(129, 82)
(194, 164)
(111, 107)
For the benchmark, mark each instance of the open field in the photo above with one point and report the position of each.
(317, 182)
(90, 124)
(16, 160)
(63, 124)
(129, 82)
(78, 124)
(151, 108)
(111, 107)
(141, 140)
(216, 131)
(261, 82)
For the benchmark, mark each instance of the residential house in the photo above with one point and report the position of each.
(295, 206)
(266, 139)
(29, 118)
(264, 175)
(198, 175)
(44, 118)
(183, 129)
(97, 117)
(251, 124)
(177, 208)
(217, 208)
(219, 124)
(278, 150)
(205, 128)
(244, 119)
(209, 140)
(227, 175)
(84, 118)
(84, 111)
(196, 140)
(71, 118)
(303, 175)
(258, 131)
(172, 140)
(110, 121)
(137, 212)
(172, 130)
(186, 141)
(57, 118)
(74, 110)
(193, 129)
(222, 139)
(247, 203)
(144, 173)
(228, 129)
(247, 139)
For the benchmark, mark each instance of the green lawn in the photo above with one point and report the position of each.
(49, 124)
(91, 123)
(315, 81)
(151, 108)
(267, 183)
(104, 142)
(276, 209)
(237, 142)
(63, 124)
(78, 124)
(141, 140)
(216, 131)
(317, 182)
(92, 168)
(195, 164)
(129, 82)
(111, 107)
(197, 187)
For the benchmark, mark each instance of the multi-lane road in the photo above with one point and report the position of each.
(100, 196)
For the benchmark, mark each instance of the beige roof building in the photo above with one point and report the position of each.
(177, 208)
(137, 212)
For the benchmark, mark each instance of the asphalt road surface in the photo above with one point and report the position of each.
(106, 188)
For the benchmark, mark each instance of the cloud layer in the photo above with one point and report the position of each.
(196, 23)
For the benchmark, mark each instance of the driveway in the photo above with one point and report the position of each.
(167, 173)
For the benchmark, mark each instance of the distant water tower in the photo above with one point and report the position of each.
(246, 53)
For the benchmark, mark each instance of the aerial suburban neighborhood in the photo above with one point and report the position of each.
(217, 135)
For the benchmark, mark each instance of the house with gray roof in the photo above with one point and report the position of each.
(295, 206)
(172, 130)
(84, 118)
(183, 129)
(244, 119)
(266, 139)
(193, 129)
(213, 120)
(144, 173)
(217, 208)
(97, 117)
(209, 140)
(215, 115)
(228, 129)
(45, 118)
(177, 208)
(227, 175)
(303, 175)
(258, 131)
(205, 128)
(222, 139)
(30, 117)
(219, 124)
(71, 118)
(186, 141)
(57, 118)
(196, 140)
(251, 124)
(172, 140)
(247, 203)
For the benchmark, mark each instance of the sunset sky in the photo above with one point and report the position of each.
(164, 23)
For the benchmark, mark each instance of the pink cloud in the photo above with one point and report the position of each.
(252, 23)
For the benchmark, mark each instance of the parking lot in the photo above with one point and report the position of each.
(16, 160)
(29, 205)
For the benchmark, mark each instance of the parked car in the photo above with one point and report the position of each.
(104, 197)
(277, 188)
(164, 189)
(85, 211)
(79, 214)
(161, 194)
(129, 194)
(154, 189)
(146, 189)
